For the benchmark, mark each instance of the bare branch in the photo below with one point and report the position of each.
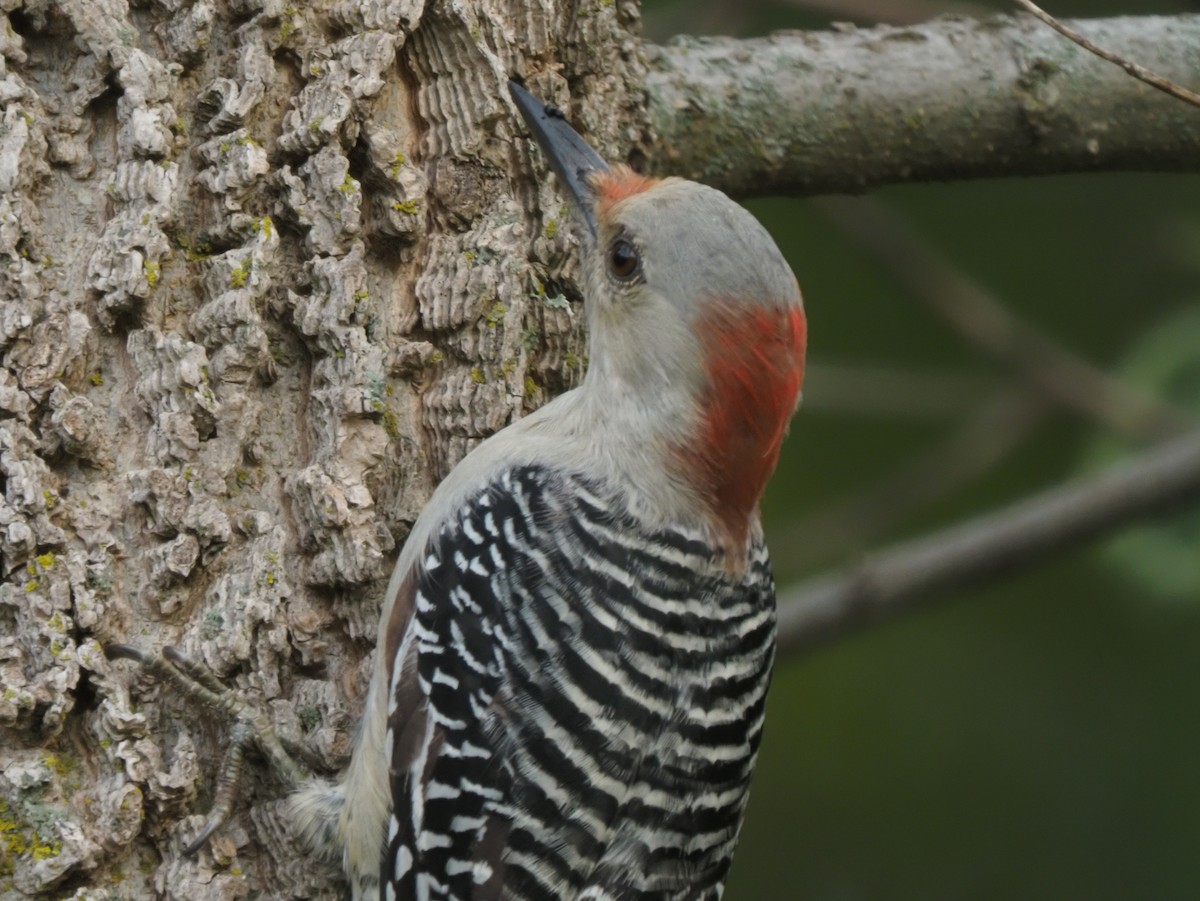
(1046, 365)
(845, 110)
(995, 429)
(912, 575)
(896, 12)
(866, 389)
(1139, 72)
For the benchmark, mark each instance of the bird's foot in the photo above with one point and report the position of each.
(250, 727)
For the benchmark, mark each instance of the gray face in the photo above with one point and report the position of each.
(667, 253)
(694, 245)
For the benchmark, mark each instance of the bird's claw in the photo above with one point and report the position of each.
(250, 727)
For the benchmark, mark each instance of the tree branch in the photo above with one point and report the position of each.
(845, 110)
(896, 12)
(994, 430)
(913, 574)
(866, 389)
(1139, 72)
(1046, 366)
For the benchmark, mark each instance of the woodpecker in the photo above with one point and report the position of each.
(577, 640)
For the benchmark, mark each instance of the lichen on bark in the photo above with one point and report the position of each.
(270, 271)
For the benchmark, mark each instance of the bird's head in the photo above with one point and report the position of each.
(692, 311)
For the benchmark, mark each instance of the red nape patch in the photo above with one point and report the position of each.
(754, 357)
(617, 184)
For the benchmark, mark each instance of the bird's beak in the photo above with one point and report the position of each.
(572, 160)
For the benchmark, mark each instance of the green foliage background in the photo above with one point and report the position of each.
(1040, 739)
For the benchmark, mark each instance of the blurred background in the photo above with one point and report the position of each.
(1041, 738)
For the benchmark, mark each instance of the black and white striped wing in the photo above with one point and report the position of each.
(448, 828)
(579, 706)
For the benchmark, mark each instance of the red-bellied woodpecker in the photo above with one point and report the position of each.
(575, 650)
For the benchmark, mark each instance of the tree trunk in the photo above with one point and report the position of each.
(270, 272)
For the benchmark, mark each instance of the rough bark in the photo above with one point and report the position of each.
(270, 270)
(842, 111)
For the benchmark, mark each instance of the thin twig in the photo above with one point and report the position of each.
(911, 575)
(982, 319)
(1139, 72)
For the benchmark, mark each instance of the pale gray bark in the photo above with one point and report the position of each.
(842, 111)
(269, 270)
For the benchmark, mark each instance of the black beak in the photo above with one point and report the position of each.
(570, 157)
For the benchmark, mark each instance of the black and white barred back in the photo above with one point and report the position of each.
(580, 703)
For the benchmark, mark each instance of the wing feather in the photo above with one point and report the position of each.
(578, 704)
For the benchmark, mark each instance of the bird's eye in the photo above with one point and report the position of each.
(623, 259)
